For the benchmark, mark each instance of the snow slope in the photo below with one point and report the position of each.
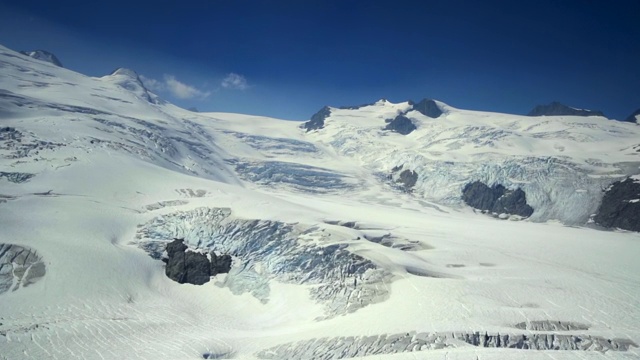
(330, 261)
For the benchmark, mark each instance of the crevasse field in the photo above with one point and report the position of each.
(332, 258)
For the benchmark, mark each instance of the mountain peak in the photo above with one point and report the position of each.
(634, 117)
(129, 80)
(125, 72)
(556, 108)
(43, 55)
(427, 107)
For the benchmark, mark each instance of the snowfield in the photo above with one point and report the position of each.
(331, 259)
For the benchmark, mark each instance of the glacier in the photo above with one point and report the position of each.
(335, 253)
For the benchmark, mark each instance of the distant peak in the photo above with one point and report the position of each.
(43, 55)
(634, 117)
(556, 108)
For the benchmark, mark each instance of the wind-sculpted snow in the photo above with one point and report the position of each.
(348, 347)
(297, 176)
(19, 267)
(266, 250)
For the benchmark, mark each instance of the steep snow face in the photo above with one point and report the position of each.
(129, 80)
(561, 162)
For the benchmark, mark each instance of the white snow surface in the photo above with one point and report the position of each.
(114, 169)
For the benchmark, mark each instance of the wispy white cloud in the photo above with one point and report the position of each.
(175, 87)
(152, 84)
(182, 90)
(235, 81)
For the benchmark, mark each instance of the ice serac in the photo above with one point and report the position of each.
(428, 107)
(558, 109)
(20, 267)
(634, 117)
(620, 207)
(348, 347)
(270, 250)
(43, 55)
(317, 119)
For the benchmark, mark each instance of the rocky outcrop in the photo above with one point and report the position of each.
(220, 264)
(190, 267)
(317, 120)
(428, 108)
(408, 179)
(558, 109)
(496, 199)
(401, 124)
(620, 207)
(634, 117)
(43, 55)
(20, 266)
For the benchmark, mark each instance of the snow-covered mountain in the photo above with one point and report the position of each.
(558, 109)
(348, 235)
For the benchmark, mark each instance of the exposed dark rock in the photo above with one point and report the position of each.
(634, 117)
(317, 120)
(428, 108)
(220, 264)
(401, 124)
(176, 246)
(43, 55)
(496, 199)
(620, 207)
(513, 202)
(189, 267)
(192, 267)
(408, 179)
(556, 109)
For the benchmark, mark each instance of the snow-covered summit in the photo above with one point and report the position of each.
(129, 79)
(43, 55)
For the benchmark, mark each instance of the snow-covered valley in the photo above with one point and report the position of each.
(336, 254)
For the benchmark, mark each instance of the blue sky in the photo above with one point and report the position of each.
(288, 58)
